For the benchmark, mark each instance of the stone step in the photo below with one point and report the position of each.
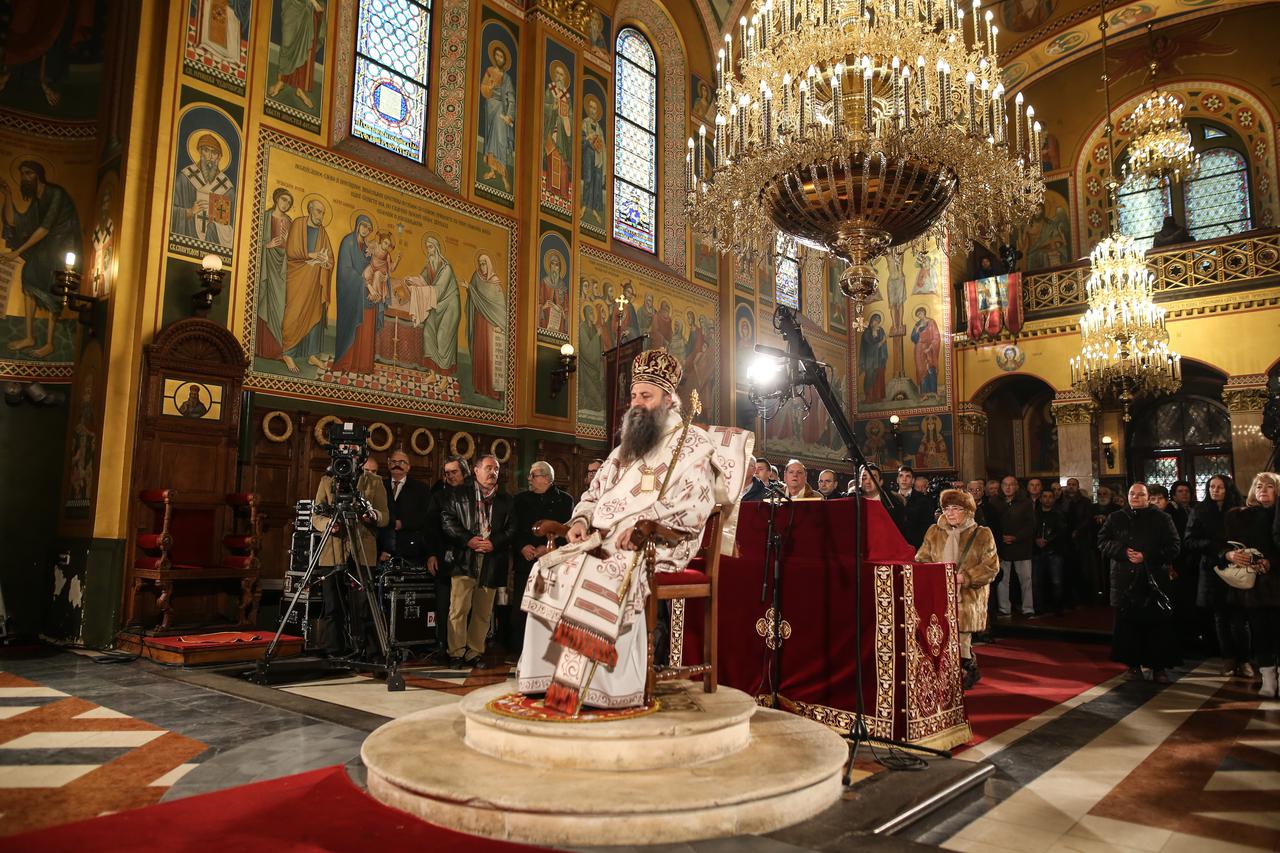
(788, 771)
(690, 728)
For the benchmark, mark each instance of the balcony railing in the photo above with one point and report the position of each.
(1247, 259)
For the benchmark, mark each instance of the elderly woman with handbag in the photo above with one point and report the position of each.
(957, 538)
(1258, 587)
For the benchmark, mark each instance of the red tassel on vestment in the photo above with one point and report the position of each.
(561, 698)
(585, 642)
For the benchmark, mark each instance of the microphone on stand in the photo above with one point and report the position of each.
(778, 490)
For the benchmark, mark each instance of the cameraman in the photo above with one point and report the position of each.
(368, 496)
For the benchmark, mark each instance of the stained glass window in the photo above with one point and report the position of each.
(635, 138)
(389, 97)
(786, 280)
(1218, 197)
(1143, 205)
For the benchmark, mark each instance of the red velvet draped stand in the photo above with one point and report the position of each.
(911, 678)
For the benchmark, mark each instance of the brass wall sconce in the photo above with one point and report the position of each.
(211, 275)
(894, 420)
(66, 288)
(568, 366)
(1108, 451)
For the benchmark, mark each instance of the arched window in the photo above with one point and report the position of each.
(1218, 197)
(1214, 203)
(635, 142)
(786, 277)
(1183, 438)
(393, 58)
(1142, 204)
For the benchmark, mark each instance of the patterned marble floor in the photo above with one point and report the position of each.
(1124, 766)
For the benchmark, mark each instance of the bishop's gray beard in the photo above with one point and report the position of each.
(641, 432)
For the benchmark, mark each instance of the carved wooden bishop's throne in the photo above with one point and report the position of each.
(696, 581)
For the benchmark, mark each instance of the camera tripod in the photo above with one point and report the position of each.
(346, 517)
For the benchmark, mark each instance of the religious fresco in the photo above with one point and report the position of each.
(556, 155)
(792, 432)
(837, 302)
(903, 355)
(1021, 16)
(596, 129)
(554, 275)
(925, 442)
(367, 288)
(496, 121)
(296, 62)
(1041, 439)
(702, 102)
(216, 42)
(744, 338)
(101, 263)
(600, 34)
(51, 58)
(84, 441)
(202, 214)
(673, 313)
(1045, 241)
(46, 194)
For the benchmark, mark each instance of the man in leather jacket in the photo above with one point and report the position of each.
(479, 525)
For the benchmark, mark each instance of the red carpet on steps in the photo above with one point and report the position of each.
(1023, 677)
(316, 811)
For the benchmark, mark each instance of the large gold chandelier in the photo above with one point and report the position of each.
(1124, 345)
(856, 125)
(1161, 147)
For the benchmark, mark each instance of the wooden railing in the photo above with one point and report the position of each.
(1241, 260)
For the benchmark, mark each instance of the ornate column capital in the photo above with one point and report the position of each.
(1074, 412)
(1244, 400)
(972, 423)
(574, 14)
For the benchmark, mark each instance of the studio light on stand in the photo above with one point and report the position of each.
(211, 276)
(66, 289)
(568, 366)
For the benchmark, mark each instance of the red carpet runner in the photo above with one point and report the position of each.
(319, 810)
(1022, 678)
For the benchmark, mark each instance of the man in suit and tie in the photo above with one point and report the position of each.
(408, 501)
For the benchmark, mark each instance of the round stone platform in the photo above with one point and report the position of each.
(704, 766)
(686, 730)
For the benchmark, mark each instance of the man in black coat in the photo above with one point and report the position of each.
(1141, 542)
(409, 501)
(479, 524)
(918, 513)
(757, 488)
(1053, 538)
(1016, 527)
(455, 472)
(543, 499)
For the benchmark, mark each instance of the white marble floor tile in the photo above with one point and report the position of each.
(7, 711)
(1074, 844)
(1034, 812)
(28, 692)
(1244, 780)
(101, 714)
(1267, 820)
(42, 775)
(171, 778)
(1007, 836)
(1180, 842)
(81, 740)
(1107, 830)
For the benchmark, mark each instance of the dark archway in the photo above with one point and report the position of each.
(1022, 438)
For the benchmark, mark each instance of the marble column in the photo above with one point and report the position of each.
(1245, 397)
(971, 442)
(1078, 450)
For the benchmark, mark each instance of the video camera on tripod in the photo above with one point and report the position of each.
(348, 449)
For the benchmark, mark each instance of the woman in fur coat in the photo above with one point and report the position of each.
(957, 538)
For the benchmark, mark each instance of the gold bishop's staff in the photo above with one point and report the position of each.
(695, 409)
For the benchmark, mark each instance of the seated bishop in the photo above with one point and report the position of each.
(587, 641)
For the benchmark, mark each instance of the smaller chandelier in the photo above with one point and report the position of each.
(1161, 146)
(1124, 352)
